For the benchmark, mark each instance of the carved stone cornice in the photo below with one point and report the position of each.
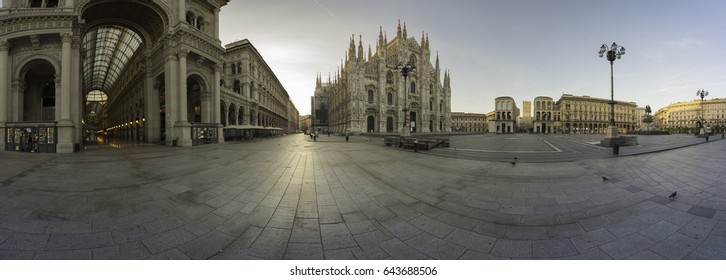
(183, 53)
(4, 46)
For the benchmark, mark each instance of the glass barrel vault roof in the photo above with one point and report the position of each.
(108, 51)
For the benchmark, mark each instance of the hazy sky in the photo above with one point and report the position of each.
(512, 48)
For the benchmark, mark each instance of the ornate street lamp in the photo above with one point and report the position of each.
(405, 71)
(702, 93)
(613, 53)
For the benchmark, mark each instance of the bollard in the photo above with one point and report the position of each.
(415, 145)
(616, 149)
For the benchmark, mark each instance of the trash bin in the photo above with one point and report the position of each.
(616, 149)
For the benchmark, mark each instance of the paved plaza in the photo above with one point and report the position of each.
(294, 198)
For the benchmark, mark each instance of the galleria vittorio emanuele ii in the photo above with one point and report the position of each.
(148, 71)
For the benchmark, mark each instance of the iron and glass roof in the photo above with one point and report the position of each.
(108, 51)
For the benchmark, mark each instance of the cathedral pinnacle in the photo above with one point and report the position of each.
(405, 34)
(360, 48)
(351, 49)
(398, 30)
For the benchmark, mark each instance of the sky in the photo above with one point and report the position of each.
(517, 48)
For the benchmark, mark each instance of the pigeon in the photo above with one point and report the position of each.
(605, 178)
(515, 158)
(673, 195)
(513, 163)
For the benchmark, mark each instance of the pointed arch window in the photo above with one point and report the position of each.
(390, 98)
(413, 88)
(370, 96)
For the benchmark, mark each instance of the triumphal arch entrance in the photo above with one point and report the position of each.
(74, 72)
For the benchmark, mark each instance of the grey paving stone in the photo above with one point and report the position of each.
(627, 246)
(564, 231)
(336, 236)
(675, 247)
(713, 248)
(592, 239)
(15, 255)
(626, 227)
(306, 231)
(512, 248)
(68, 227)
(553, 248)
(526, 232)
(436, 248)
(24, 225)
(134, 233)
(340, 254)
(399, 250)
(491, 229)
(594, 223)
(304, 251)
(239, 248)
(236, 225)
(698, 228)
(271, 244)
(171, 254)
(86, 254)
(659, 231)
(432, 226)
(24, 241)
(168, 240)
(475, 255)
(206, 246)
(128, 251)
(471, 240)
(329, 214)
(79, 241)
(646, 255)
(163, 224)
(358, 223)
(369, 243)
(401, 229)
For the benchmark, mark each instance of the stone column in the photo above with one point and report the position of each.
(4, 87)
(183, 128)
(151, 111)
(182, 10)
(65, 124)
(170, 81)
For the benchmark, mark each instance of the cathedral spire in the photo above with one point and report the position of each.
(437, 64)
(370, 54)
(405, 34)
(428, 47)
(360, 49)
(423, 41)
(398, 31)
(381, 43)
(351, 49)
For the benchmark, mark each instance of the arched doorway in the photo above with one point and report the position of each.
(389, 124)
(370, 127)
(412, 123)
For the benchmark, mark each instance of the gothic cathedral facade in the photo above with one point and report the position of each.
(369, 94)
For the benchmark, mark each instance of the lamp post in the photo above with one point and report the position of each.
(405, 71)
(702, 93)
(613, 53)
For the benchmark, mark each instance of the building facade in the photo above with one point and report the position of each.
(369, 94)
(506, 114)
(546, 116)
(585, 114)
(151, 71)
(525, 122)
(251, 94)
(684, 117)
(469, 122)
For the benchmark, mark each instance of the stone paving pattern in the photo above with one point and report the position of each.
(294, 198)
